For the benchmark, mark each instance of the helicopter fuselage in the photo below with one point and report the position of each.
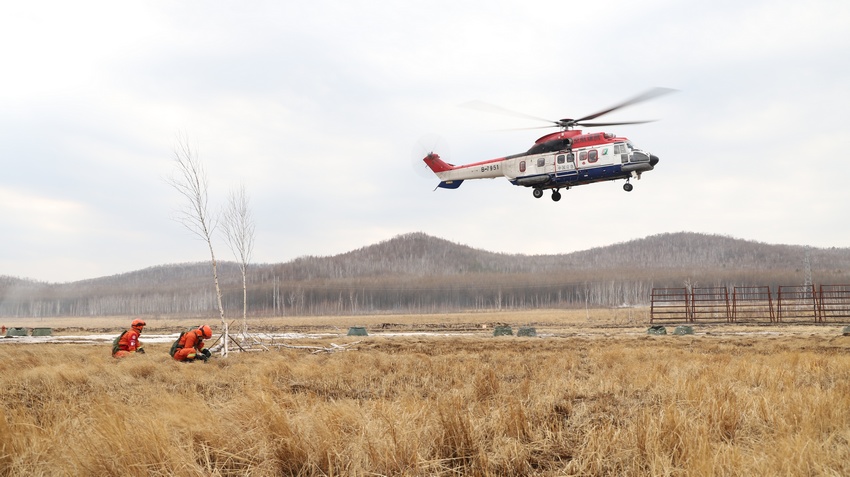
(556, 161)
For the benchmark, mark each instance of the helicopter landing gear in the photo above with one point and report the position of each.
(628, 187)
(538, 193)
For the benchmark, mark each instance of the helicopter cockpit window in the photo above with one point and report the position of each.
(622, 151)
(639, 156)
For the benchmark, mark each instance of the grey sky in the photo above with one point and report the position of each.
(321, 109)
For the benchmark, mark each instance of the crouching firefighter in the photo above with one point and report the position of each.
(128, 341)
(190, 345)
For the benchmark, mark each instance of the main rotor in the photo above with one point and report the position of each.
(567, 124)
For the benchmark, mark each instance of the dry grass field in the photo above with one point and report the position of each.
(591, 395)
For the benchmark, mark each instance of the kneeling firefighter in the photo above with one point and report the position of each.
(128, 341)
(190, 345)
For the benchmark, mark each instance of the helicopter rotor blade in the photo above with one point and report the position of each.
(492, 108)
(529, 128)
(570, 123)
(619, 123)
(645, 96)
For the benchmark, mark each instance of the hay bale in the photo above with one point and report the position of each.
(526, 331)
(503, 331)
(656, 330)
(683, 330)
(357, 331)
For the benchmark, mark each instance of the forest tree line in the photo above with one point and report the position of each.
(416, 273)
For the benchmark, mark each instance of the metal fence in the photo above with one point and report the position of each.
(751, 304)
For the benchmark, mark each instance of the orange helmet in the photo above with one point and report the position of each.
(206, 331)
(137, 323)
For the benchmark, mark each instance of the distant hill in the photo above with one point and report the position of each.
(686, 249)
(419, 254)
(419, 272)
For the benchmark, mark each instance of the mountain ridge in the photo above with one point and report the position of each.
(419, 273)
(427, 254)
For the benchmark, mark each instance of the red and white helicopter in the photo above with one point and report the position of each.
(559, 160)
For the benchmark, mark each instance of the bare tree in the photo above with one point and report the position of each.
(190, 180)
(238, 226)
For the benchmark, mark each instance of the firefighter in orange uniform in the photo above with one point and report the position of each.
(191, 345)
(129, 342)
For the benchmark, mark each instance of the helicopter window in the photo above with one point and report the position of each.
(592, 155)
(571, 157)
(561, 159)
(522, 166)
(582, 156)
(541, 161)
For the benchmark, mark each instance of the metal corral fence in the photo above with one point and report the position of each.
(751, 304)
(670, 305)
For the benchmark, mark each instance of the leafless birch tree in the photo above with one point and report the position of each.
(190, 180)
(238, 226)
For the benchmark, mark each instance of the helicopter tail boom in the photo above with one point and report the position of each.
(441, 168)
(436, 164)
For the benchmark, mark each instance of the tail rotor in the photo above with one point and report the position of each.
(426, 145)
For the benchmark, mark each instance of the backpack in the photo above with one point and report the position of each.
(176, 345)
(116, 340)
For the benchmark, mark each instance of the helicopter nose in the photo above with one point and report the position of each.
(653, 159)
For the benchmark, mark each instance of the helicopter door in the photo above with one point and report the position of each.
(565, 165)
(545, 165)
(539, 165)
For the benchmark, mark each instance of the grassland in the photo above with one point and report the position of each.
(590, 396)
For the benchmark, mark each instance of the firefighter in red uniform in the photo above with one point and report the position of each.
(129, 342)
(191, 345)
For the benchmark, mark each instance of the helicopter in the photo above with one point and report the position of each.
(559, 160)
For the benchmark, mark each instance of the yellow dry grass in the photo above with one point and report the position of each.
(604, 402)
(553, 318)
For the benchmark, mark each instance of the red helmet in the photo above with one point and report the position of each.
(206, 331)
(137, 323)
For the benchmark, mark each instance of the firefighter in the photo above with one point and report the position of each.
(128, 342)
(190, 346)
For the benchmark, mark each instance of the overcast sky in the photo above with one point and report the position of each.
(324, 109)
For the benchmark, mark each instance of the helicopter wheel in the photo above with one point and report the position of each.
(556, 196)
(538, 193)
(628, 187)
